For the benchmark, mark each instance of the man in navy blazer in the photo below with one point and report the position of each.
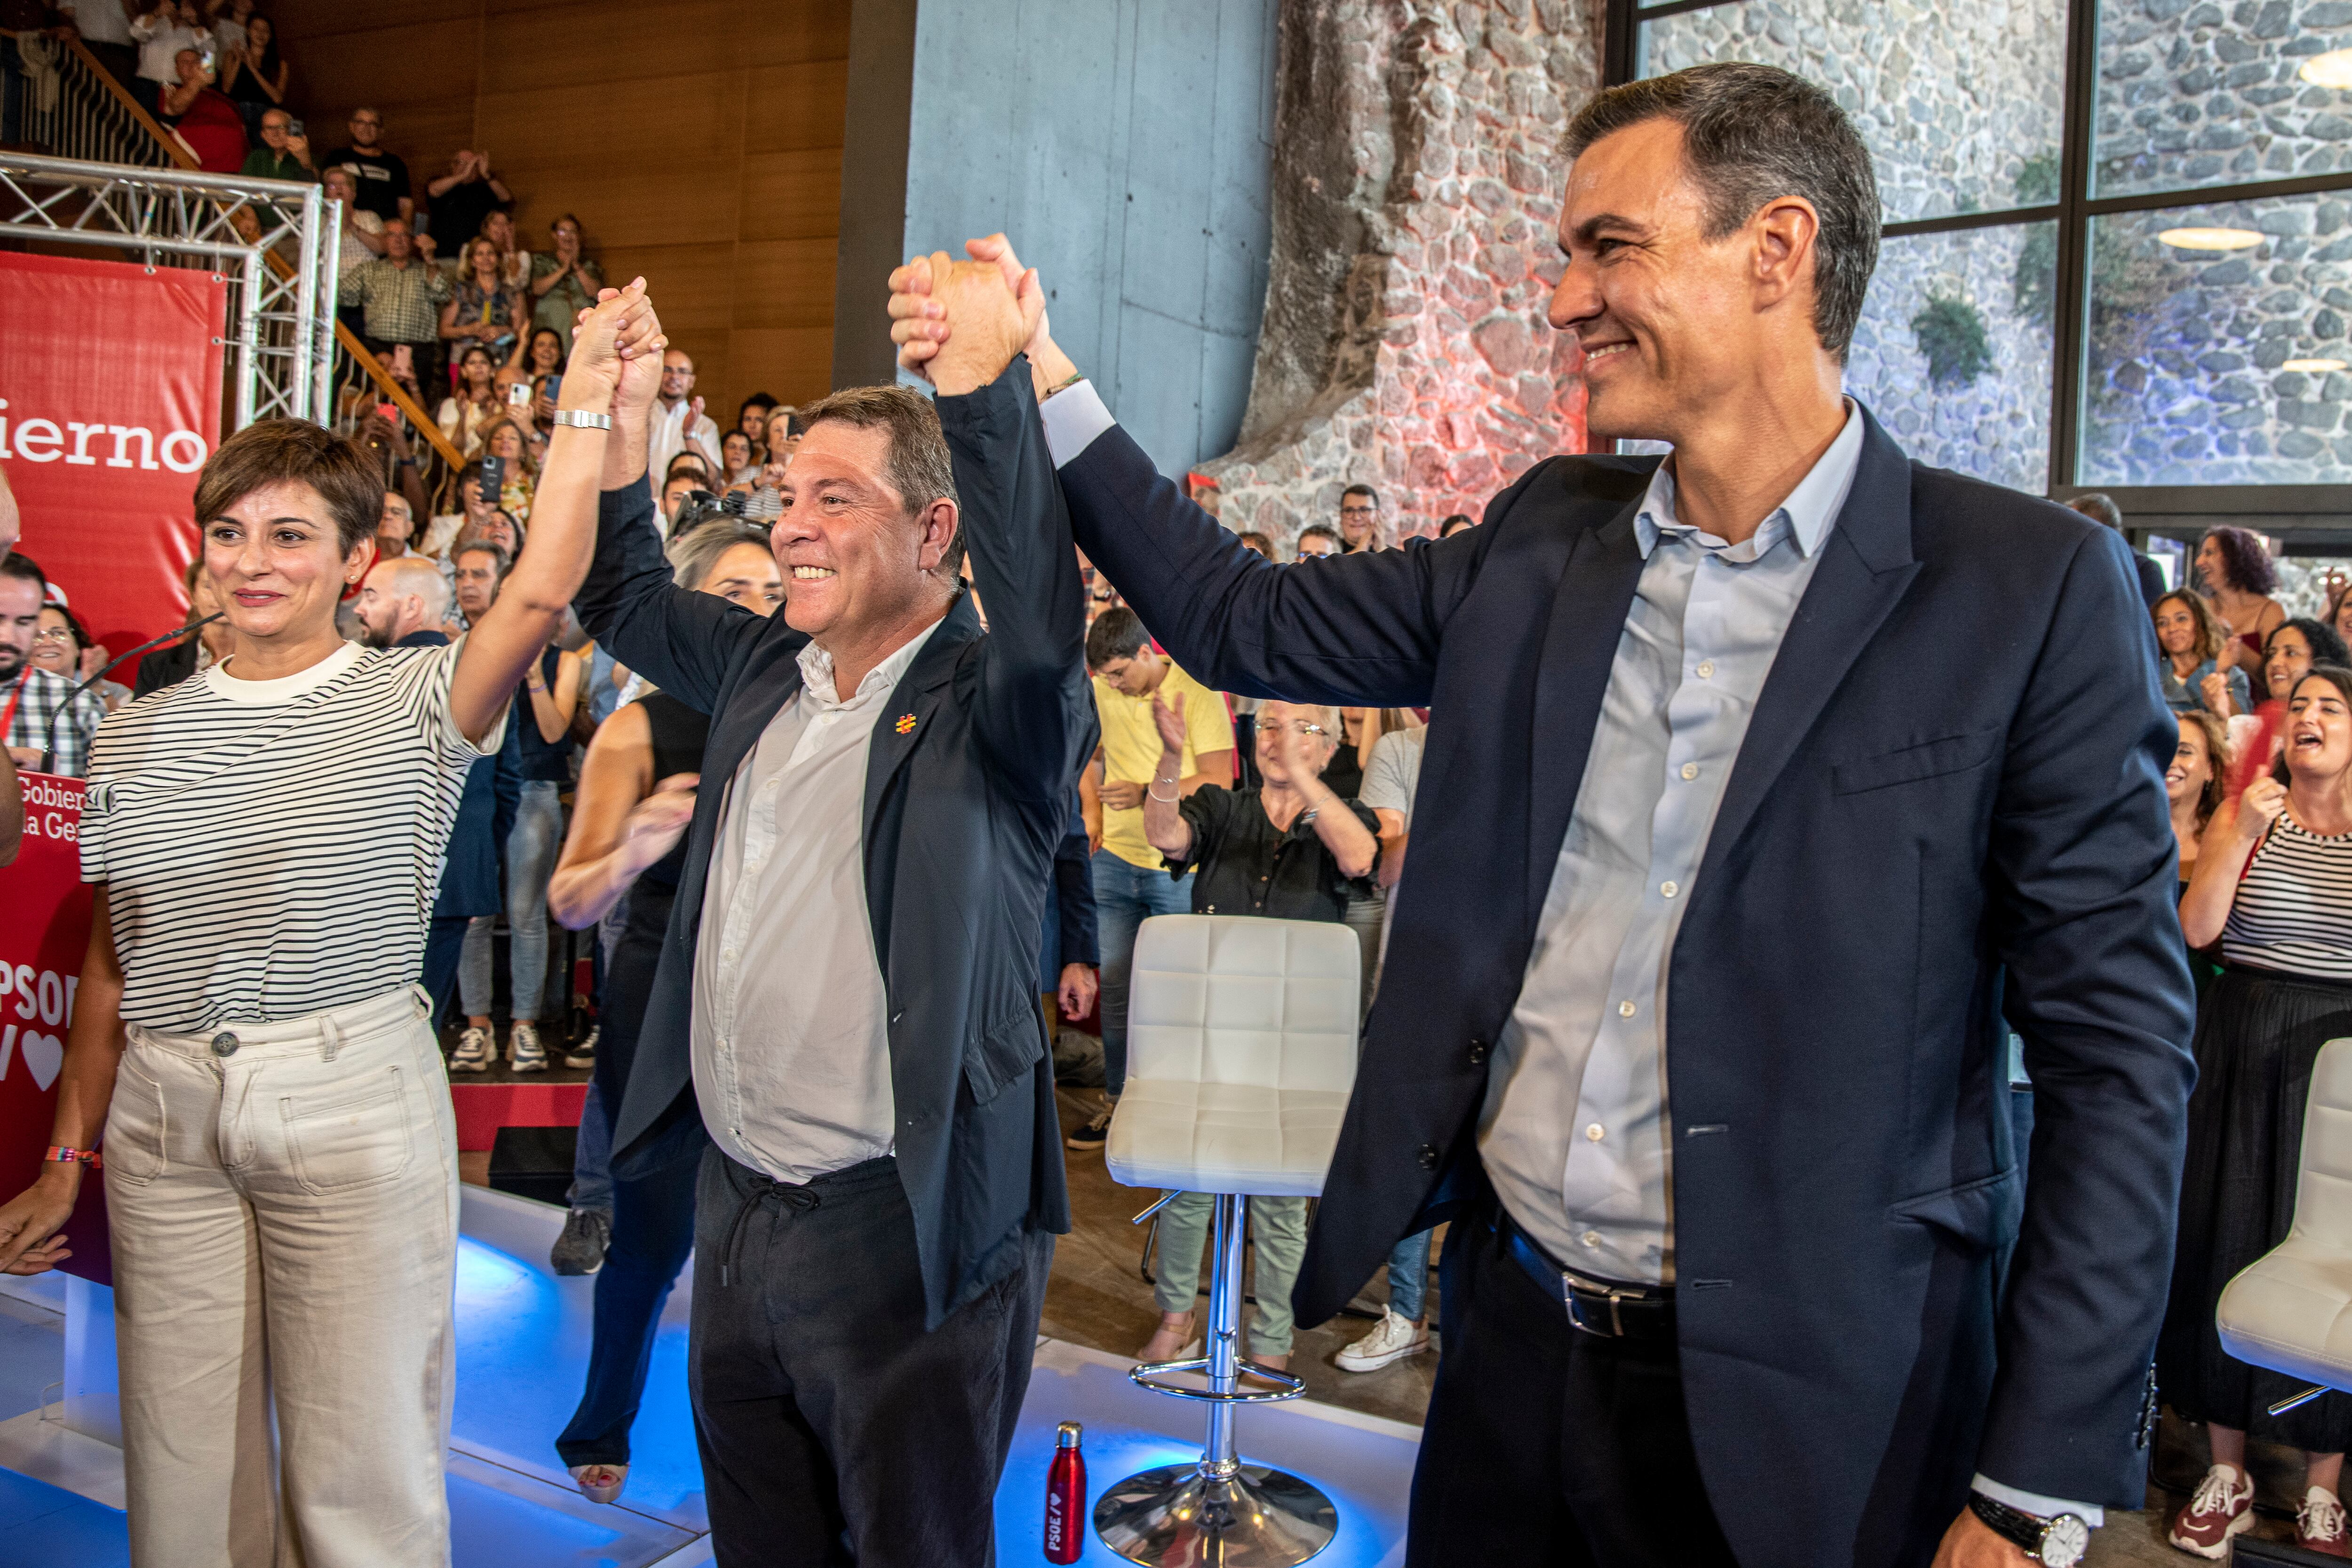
(1773, 787)
(845, 1007)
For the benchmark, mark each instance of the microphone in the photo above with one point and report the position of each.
(49, 751)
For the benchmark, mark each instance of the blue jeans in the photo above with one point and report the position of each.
(591, 1157)
(530, 851)
(1125, 896)
(1408, 1275)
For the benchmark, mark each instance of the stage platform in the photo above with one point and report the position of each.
(522, 1349)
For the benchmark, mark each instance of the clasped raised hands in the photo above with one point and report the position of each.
(959, 323)
(616, 353)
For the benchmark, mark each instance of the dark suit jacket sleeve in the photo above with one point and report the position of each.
(1361, 630)
(1034, 714)
(2151, 577)
(680, 640)
(2083, 869)
(1074, 888)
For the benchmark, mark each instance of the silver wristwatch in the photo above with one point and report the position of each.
(583, 419)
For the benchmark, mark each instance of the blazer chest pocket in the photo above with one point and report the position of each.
(1928, 759)
(1005, 1052)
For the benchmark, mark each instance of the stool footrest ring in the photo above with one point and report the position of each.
(1147, 1374)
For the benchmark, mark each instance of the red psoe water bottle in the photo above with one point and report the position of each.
(1065, 1497)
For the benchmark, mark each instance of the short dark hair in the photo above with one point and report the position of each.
(1366, 491)
(1752, 133)
(757, 400)
(2100, 508)
(915, 463)
(2245, 564)
(484, 547)
(73, 623)
(295, 451)
(1117, 633)
(19, 565)
(1454, 520)
(670, 473)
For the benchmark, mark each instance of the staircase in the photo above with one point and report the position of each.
(91, 118)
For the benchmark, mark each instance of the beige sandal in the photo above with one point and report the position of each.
(610, 1479)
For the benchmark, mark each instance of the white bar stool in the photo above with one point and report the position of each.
(2291, 1309)
(1241, 1055)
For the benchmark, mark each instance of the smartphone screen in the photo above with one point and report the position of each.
(494, 478)
(519, 394)
(387, 410)
(554, 385)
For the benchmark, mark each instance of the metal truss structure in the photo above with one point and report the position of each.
(269, 239)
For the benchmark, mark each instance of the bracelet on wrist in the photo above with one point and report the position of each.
(61, 1153)
(1163, 799)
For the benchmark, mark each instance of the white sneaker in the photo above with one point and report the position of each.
(524, 1053)
(476, 1050)
(2223, 1506)
(1391, 1340)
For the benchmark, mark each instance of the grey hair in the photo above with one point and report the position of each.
(1751, 134)
(693, 555)
(916, 464)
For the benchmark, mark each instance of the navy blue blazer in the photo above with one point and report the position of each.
(469, 871)
(1949, 804)
(967, 787)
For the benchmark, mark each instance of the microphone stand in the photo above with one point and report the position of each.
(49, 751)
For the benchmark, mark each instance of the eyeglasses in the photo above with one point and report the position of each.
(1303, 727)
(54, 634)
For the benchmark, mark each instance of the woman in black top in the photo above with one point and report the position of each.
(1291, 850)
(628, 839)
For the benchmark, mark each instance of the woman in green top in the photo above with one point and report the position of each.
(563, 282)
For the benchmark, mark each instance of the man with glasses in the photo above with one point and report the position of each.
(399, 295)
(1359, 519)
(282, 155)
(380, 176)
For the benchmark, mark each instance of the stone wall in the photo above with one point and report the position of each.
(2197, 93)
(1416, 182)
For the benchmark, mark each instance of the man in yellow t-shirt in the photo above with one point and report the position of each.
(1132, 879)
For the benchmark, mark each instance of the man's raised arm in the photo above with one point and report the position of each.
(680, 640)
(1362, 630)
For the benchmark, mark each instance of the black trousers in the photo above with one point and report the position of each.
(834, 1427)
(445, 941)
(653, 1228)
(1545, 1443)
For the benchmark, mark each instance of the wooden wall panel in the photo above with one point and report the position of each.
(699, 141)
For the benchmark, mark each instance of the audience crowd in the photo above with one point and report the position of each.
(1195, 801)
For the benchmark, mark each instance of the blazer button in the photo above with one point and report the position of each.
(1478, 1053)
(1427, 1155)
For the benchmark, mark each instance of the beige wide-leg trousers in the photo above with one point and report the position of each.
(283, 1203)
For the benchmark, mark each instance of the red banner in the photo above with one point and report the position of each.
(110, 402)
(41, 946)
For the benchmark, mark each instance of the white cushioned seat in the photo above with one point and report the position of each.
(2291, 1309)
(1241, 1051)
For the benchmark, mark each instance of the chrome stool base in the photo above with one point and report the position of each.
(1185, 1516)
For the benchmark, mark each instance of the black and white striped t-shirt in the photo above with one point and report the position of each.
(2292, 911)
(271, 849)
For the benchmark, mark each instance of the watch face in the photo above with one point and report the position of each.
(2064, 1540)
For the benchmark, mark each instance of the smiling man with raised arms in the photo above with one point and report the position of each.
(1696, 1017)
(845, 1003)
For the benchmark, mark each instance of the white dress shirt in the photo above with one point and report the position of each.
(665, 438)
(791, 1055)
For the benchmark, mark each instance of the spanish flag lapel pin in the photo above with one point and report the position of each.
(905, 723)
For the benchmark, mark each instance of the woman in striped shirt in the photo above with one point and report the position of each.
(2274, 885)
(280, 1159)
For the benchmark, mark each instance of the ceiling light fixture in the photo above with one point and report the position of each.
(2333, 68)
(2313, 367)
(2203, 238)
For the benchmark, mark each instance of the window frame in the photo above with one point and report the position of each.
(2162, 508)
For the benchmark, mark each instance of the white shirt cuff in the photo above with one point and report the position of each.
(1073, 417)
(2036, 1504)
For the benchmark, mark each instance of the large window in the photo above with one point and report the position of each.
(2118, 233)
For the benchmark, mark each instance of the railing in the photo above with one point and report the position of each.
(95, 120)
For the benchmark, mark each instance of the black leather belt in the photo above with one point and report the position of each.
(1608, 1309)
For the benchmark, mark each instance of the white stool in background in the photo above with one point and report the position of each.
(1241, 1048)
(2291, 1309)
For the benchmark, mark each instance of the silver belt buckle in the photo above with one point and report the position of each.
(1568, 1286)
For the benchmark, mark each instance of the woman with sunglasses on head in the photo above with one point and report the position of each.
(635, 799)
(2273, 886)
(280, 1156)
